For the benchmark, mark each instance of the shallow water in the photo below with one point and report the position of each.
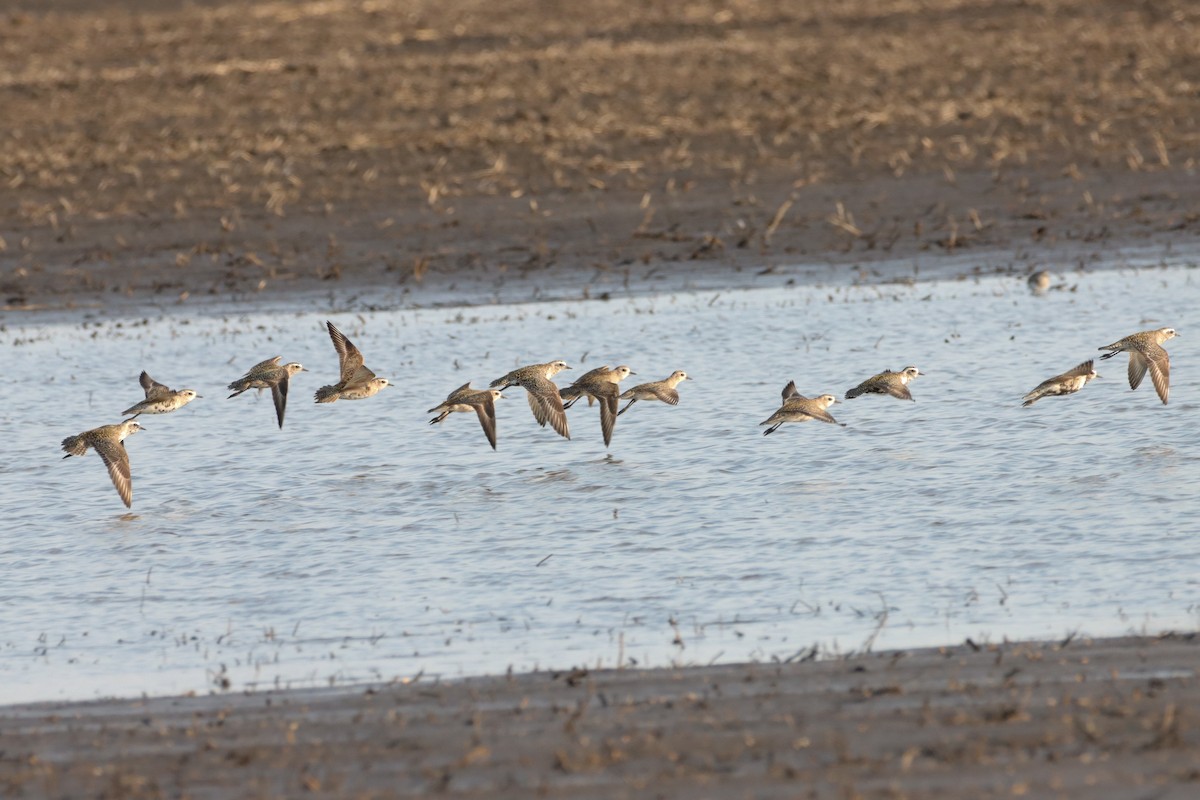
(361, 543)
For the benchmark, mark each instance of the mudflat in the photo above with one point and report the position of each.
(163, 151)
(157, 151)
(1110, 718)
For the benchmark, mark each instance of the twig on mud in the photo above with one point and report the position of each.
(882, 620)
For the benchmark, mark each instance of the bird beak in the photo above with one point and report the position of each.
(687, 379)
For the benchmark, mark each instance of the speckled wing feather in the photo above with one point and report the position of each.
(1160, 371)
(154, 390)
(864, 387)
(1137, 368)
(790, 391)
(897, 389)
(666, 394)
(546, 404)
(349, 357)
(117, 460)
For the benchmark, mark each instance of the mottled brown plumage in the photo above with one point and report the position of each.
(1146, 353)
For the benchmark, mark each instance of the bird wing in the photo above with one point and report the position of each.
(279, 393)
(666, 394)
(546, 404)
(361, 377)
(1083, 369)
(899, 390)
(117, 460)
(821, 414)
(1138, 364)
(486, 410)
(1160, 372)
(790, 391)
(348, 355)
(609, 396)
(262, 365)
(862, 388)
(154, 390)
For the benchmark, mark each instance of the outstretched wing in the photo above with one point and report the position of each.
(1160, 372)
(348, 355)
(666, 394)
(154, 390)
(1138, 364)
(117, 460)
(486, 410)
(279, 393)
(608, 394)
(547, 407)
(899, 390)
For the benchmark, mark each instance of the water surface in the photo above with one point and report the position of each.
(361, 543)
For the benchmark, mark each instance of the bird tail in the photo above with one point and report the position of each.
(326, 394)
(74, 446)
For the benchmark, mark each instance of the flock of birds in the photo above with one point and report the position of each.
(549, 402)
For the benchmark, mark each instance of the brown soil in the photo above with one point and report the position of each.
(1104, 719)
(153, 149)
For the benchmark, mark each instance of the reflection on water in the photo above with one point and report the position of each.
(361, 543)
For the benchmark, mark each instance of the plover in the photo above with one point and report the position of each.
(663, 390)
(356, 381)
(599, 384)
(544, 400)
(159, 399)
(269, 374)
(887, 382)
(1146, 352)
(1069, 382)
(798, 408)
(1039, 282)
(107, 441)
(463, 399)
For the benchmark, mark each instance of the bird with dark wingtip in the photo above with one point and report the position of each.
(465, 399)
(600, 384)
(269, 374)
(108, 442)
(798, 408)
(887, 382)
(159, 399)
(1146, 353)
(355, 381)
(544, 400)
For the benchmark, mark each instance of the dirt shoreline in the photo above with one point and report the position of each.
(160, 152)
(1104, 718)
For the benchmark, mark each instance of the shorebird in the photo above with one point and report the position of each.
(1146, 352)
(356, 381)
(1069, 382)
(798, 408)
(663, 390)
(269, 374)
(107, 442)
(159, 399)
(464, 398)
(887, 382)
(544, 400)
(1039, 282)
(599, 384)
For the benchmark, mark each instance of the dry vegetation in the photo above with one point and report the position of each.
(219, 144)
